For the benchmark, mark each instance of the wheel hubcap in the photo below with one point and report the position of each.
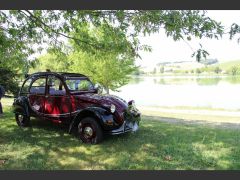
(20, 118)
(88, 132)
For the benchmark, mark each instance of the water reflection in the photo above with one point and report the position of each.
(233, 79)
(204, 81)
(208, 81)
(136, 80)
(215, 92)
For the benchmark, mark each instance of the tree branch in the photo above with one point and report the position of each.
(34, 18)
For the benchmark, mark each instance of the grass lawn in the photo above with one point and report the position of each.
(157, 145)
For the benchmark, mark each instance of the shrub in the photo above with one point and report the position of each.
(198, 71)
(217, 70)
(162, 69)
(234, 70)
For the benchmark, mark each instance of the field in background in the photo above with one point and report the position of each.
(227, 65)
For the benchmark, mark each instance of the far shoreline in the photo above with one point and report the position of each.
(186, 75)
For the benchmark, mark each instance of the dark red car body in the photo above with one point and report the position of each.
(72, 106)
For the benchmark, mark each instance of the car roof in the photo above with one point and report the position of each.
(63, 74)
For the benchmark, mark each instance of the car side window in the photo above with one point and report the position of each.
(38, 86)
(79, 84)
(26, 85)
(55, 86)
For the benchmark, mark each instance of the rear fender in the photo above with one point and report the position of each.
(20, 106)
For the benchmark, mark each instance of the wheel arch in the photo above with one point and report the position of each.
(94, 112)
(20, 106)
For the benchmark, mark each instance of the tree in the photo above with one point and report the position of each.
(162, 69)
(12, 54)
(25, 32)
(109, 70)
(234, 70)
(217, 70)
(198, 71)
(53, 61)
(154, 70)
(13, 63)
(50, 27)
(8, 81)
(138, 71)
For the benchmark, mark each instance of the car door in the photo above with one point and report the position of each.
(36, 96)
(57, 100)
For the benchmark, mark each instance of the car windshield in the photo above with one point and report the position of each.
(79, 84)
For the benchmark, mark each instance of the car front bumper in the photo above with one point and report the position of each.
(125, 127)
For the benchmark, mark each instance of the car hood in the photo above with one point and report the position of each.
(103, 100)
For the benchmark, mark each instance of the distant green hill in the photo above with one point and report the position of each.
(227, 65)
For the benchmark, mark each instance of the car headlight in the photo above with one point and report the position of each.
(131, 103)
(112, 108)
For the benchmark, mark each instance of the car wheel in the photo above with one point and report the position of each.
(90, 131)
(22, 121)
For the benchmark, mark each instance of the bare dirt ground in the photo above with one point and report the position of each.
(229, 125)
(209, 118)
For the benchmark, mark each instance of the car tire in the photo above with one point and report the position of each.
(90, 131)
(22, 120)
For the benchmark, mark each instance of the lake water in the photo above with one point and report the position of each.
(194, 91)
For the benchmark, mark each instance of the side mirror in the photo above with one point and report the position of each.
(97, 88)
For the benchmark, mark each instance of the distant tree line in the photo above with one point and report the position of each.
(233, 70)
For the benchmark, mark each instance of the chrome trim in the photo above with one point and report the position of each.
(125, 127)
(63, 114)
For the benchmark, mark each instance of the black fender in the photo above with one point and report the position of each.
(20, 106)
(100, 114)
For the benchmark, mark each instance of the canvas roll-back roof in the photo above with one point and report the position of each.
(63, 74)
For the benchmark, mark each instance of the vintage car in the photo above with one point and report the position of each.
(72, 99)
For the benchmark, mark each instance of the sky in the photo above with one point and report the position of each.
(166, 49)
